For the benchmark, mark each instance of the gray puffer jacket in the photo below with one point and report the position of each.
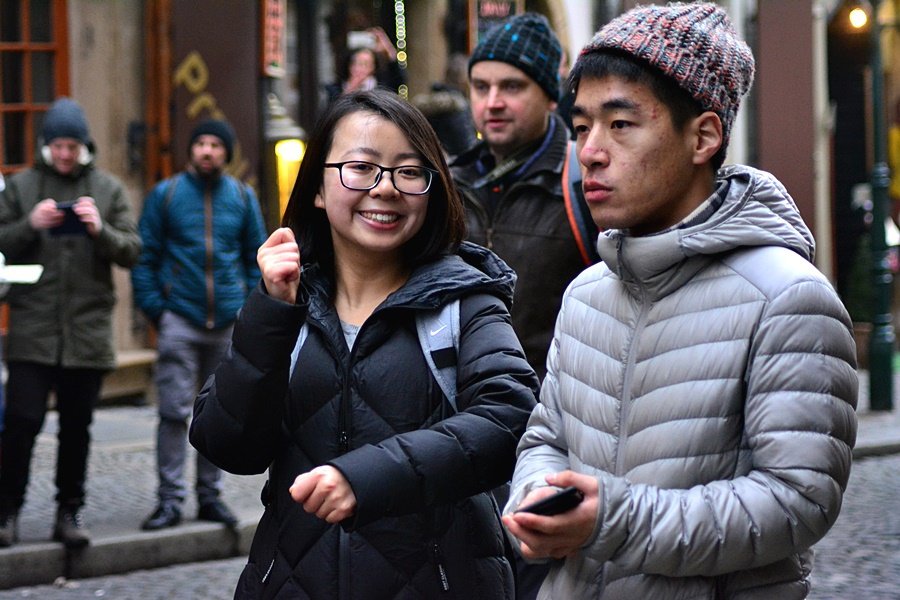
(706, 377)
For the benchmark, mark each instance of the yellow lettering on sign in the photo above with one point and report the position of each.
(192, 73)
(204, 101)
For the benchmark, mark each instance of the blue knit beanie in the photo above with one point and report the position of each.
(65, 119)
(528, 43)
(220, 129)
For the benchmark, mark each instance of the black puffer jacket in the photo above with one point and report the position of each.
(424, 520)
(529, 230)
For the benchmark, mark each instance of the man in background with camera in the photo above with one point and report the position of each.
(76, 221)
(201, 229)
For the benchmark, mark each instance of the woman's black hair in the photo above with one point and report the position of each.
(444, 226)
(610, 62)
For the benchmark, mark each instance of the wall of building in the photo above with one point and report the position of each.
(105, 41)
(784, 94)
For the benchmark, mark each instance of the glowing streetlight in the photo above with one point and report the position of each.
(858, 18)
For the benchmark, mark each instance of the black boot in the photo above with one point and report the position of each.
(70, 529)
(9, 527)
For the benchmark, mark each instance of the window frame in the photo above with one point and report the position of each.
(58, 47)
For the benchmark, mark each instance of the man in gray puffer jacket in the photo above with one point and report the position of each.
(701, 382)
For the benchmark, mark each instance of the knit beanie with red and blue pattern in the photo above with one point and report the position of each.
(692, 43)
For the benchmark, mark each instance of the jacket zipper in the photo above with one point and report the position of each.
(344, 579)
(627, 397)
(439, 565)
(485, 219)
(210, 262)
(344, 418)
(344, 412)
(268, 572)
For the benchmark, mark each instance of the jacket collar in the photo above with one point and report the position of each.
(755, 210)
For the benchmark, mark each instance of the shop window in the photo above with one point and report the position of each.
(33, 72)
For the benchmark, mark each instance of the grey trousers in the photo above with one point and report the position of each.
(187, 357)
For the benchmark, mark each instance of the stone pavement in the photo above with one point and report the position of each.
(122, 492)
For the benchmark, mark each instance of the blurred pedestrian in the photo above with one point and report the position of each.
(372, 64)
(76, 220)
(702, 380)
(4, 287)
(201, 229)
(447, 109)
(894, 161)
(512, 179)
(375, 483)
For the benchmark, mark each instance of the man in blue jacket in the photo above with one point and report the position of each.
(201, 229)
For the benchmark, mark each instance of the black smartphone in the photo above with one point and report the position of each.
(564, 500)
(71, 224)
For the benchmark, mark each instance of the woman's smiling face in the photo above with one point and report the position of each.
(381, 220)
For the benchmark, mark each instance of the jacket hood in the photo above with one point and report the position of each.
(755, 210)
(472, 269)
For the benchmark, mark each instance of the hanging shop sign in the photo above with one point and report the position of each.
(485, 14)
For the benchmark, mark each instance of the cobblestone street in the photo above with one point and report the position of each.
(858, 560)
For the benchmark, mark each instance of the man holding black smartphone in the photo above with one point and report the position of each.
(701, 382)
(75, 220)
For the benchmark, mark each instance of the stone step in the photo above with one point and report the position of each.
(132, 380)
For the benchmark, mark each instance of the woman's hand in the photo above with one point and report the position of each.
(383, 44)
(279, 262)
(325, 493)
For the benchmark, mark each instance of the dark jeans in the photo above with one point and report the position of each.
(27, 392)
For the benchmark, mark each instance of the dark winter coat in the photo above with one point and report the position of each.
(65, 318)
(530, 231)
(425, 525)
(200, 243)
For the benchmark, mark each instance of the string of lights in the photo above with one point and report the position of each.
(400, 31)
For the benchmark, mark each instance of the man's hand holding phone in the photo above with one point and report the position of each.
(86, 209)
(552, 523)
(78, 217)
(45, 215)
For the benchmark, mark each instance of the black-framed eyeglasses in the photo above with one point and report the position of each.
(362, 176)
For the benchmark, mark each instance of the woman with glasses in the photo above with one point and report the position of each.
(378, 487)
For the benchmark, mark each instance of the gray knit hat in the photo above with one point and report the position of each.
(692, 43)
(528, 43)
(65, 119)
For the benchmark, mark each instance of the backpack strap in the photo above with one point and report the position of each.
(583, 227)
(170, 191)
(438, 331)
(301, 337)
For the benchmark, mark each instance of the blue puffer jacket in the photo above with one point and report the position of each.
(200, 241)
